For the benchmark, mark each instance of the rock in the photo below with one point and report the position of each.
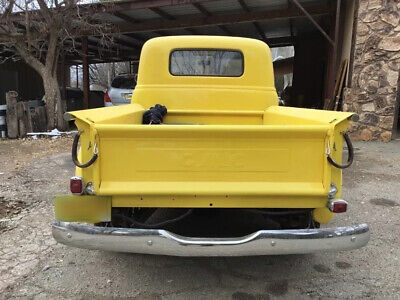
(374, 4)
(366, 135)
(45, 268)
(394, 65)
(390, 44)
(386, 136)
(363, 6)
(370, 119)
(372, 86)
(380, 103)
(362, 29)
(348, 107)
(391, 18)
(386, 122)
(392, 77)
(379, 25)
(369, 16)
(391, 99)
(386, 111)
(371, 42)
(386, 90)
(368, 107)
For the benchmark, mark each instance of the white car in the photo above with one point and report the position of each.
(121, 90)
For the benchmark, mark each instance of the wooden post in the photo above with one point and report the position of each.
(39, 119)
(332, 63)
(24, 118)
(11, 115)
(63, 81)
(77, 76)
(85, 65)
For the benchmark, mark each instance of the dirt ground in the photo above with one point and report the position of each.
(34, 266)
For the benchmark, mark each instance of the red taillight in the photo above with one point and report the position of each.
(107, 98)
(338, 206)
(76, 185)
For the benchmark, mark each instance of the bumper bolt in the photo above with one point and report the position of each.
(150, 242)
(69, 235)
(273, 243)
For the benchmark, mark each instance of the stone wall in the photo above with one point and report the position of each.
(376, 70)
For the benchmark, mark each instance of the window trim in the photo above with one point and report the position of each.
(206, 49)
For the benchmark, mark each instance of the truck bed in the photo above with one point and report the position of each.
(260, 162)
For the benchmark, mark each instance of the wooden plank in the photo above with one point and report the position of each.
(11, 115)
(339, 95)
(329, 105)
(243, 17)
(24, 118)
(39, 119)
(114, 6)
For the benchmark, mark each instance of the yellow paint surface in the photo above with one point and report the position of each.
(224, 141)
(89, 209)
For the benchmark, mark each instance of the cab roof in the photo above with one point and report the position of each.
(155, 59)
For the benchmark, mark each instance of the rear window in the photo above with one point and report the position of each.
(124, 82)
(194, 62)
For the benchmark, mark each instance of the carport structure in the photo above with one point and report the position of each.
(313, 27)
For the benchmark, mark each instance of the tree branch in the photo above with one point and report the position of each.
(28, 57)
(45, 11)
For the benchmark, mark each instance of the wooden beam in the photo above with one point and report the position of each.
(126, 43)
(167, 16)
(281, 41)
(136, 37)
(114, 6)
(141, 4)
(131, 20)
(202, 9)
(220, 19)
(257, 26)
(73, 60)
(205, 12)
(260, 31)
(162, 13)
(309, 16)
(124, 17)
(96, 49)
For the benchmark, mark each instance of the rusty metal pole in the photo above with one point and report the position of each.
(85, 65)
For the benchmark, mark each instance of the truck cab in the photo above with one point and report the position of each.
(226, 167)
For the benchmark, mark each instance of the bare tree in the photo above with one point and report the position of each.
(103, 74)
(38, 31)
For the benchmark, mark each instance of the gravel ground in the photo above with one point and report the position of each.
(33, 265)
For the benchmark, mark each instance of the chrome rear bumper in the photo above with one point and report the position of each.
(162, 242)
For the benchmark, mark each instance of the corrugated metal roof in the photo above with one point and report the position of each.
(222, 6)
(271, 28)
(181, 10)
(244, 30)
(142, 14)
(276, 28)
(275, 4)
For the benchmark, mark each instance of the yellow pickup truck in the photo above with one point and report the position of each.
(203, 161)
